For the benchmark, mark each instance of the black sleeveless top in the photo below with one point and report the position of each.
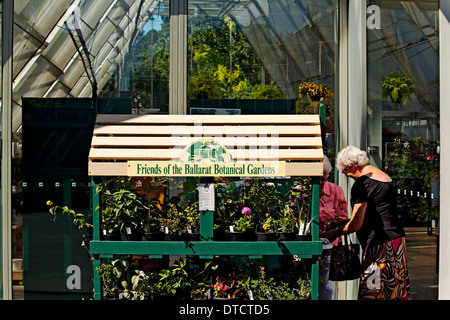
(380, 223)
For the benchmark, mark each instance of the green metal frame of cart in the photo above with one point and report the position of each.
(207, 247)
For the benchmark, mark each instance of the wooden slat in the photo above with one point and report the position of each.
(132, 130)
(304, 169)
(106, 169)
(228, 142)
(176, 154)
(207, 119)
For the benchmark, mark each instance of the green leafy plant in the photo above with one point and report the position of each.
(202, 279)
(79, 220)
(229, 203)
(175, 280)
(122, 209)
(111, 286)
(398, 87)
(266, 287)
(137, 289)
(265, 200)
(181, 215)
(152, 222)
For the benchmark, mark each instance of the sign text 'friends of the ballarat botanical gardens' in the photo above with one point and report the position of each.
(207, 158)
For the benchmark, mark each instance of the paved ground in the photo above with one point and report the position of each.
(421, 254)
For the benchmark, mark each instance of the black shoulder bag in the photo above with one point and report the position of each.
(345, 263)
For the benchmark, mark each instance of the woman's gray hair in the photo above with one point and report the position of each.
(326, 165)
(349, 155)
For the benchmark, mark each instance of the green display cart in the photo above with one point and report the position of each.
(207, 146)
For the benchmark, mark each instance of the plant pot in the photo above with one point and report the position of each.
(162, 296)
(115, 236)
(219, 234)
(153, 236)
(303, 237)
(172, 237)
(190, 236)
(131, 234)
(285, 236)
(237, 236)
(266, 236)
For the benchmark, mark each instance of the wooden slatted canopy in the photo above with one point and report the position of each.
(118, 139)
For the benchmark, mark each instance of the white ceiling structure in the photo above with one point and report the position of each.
(47, 63)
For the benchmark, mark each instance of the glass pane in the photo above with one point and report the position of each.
(403, 98)
(148, 66)
(58, 47)
(262, 57)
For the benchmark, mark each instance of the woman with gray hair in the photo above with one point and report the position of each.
(374, 219)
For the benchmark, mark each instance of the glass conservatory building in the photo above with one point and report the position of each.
(379, 66)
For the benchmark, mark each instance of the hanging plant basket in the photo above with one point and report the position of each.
(398, 87)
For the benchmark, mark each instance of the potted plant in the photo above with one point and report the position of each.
(286, 223)
(231, 286)
(137, 289)
(115, 277)
(242, 226)
(124, 211)
(111, 287)
(201, 281)
(299, 207)
(314, 91)
(181, 221)
(266, 202)
(398, 87)
(180, 217)
(152, 223)
(174, 282)
(268, 229)
(228, 205)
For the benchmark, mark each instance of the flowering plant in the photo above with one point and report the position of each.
(270, 224)
(314, 91)
(298, 206)
(245, 221)
(230, 286)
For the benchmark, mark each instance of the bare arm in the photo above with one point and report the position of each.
(356, 221)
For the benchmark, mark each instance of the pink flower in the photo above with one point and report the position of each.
(246, 210)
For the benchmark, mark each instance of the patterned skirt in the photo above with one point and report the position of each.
(385, 272)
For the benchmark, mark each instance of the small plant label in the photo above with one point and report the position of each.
(206, 197)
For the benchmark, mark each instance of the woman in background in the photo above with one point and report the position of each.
(333, 208)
